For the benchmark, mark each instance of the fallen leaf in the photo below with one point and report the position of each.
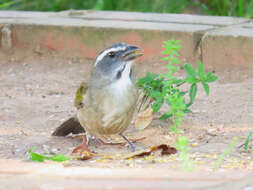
(165, 150)
(144, 118)
(41, 158)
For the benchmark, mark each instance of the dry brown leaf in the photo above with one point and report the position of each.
(165, 150)
(144, 118)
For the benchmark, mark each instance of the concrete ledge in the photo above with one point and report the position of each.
(129, 16)
(27, 175)
(229, 47)
(223, 43)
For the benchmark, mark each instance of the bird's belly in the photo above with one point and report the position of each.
(112, 115)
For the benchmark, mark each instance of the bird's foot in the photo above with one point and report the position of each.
(131, 145)
(82, 151)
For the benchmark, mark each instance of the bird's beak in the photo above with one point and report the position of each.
(131, 53)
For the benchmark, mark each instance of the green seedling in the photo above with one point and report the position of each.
(224, 154)
(33, 156)
(246, 144)
(164, 88)
(182, 145)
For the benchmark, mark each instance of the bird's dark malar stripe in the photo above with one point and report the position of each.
(119, 73)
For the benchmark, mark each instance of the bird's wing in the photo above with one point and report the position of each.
(80, 94)
(71, 125)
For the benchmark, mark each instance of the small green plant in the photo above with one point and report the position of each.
(182, 145)
(164, 88)
(33, 156)
(225, 153)
(246, 144)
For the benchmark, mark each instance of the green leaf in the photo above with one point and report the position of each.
(174, 60)
(156, 95)
(187, 110)
(58, 158)
(192, 94)
(182, 93)
(190, 71)
(246, 145)
(165, 116)
(206, 87)
(200, 69)
(177, 81)
(165, 58)
(35, 156)
(41, 158)
(191, 80)
(157, 105)
(149, 77)
(211, 78)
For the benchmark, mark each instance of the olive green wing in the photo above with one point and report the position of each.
(80, 94)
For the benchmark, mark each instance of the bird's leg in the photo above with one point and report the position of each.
(88, 137)
(132, 146)
(79, 150)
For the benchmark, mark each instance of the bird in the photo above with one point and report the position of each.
(106, 103)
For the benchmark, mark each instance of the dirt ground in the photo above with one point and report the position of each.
(37, 96)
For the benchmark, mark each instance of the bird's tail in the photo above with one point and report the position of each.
(71, 125)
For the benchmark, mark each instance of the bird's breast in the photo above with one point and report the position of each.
(109, 110)
(120, 101)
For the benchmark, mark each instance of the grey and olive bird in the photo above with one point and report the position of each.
(106, 104)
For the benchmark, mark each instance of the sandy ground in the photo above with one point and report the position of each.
(37, 96)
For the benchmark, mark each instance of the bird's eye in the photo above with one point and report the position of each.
(112, 54)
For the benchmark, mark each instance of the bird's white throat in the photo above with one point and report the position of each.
(120, 86)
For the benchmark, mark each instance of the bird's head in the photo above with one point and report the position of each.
(114, 63)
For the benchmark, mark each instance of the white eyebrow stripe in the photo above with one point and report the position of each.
(100, 57)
